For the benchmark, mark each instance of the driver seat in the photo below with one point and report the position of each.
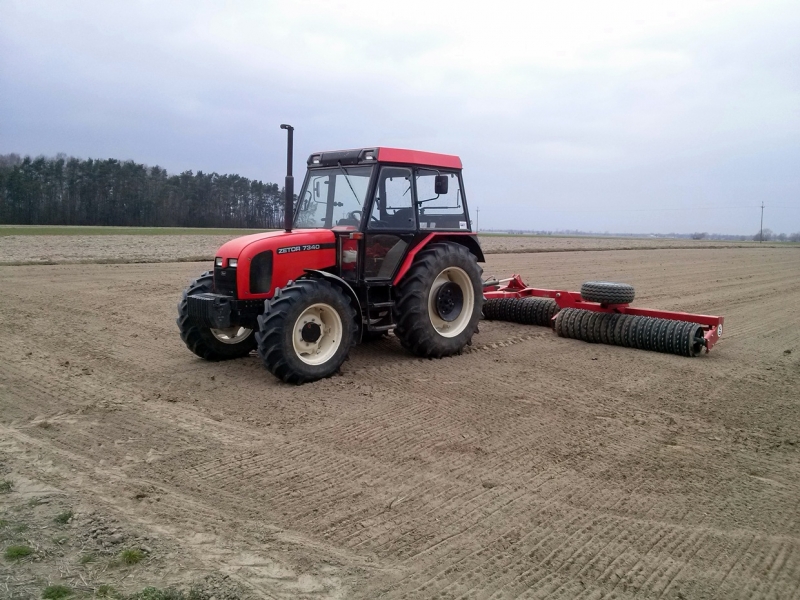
(392, 259)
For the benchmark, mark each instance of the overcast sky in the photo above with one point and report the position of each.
(605, 116)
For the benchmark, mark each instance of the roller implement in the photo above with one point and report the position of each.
(601, 313)
(377, 240)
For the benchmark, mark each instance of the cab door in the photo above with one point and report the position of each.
(391, 224)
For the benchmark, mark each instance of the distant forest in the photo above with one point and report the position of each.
(767, 235)
(72, 191)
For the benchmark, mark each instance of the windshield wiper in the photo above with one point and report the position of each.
(349, 184)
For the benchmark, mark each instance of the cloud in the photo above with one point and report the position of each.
(575, 104)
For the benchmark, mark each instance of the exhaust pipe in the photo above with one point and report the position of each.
(288, 206)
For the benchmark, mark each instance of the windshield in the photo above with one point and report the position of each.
(333, 198)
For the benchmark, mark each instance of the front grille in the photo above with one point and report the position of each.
(261, 273)
(225, 281)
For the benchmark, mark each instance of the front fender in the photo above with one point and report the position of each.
(346, 288)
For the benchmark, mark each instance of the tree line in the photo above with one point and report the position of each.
(72, 191)
(766, 235)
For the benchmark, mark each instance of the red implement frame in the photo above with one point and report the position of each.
(514, 287)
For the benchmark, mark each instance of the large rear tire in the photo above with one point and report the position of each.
(207, 343)
(439, 301)
(306, 331)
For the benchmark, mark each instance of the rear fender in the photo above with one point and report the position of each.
(468, 240)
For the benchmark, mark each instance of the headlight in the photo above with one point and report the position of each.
(232, 263)
(218, 261)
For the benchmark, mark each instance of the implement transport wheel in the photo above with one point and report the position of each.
(439, 301)
(306, 331)
(606, 292)
(208, 343)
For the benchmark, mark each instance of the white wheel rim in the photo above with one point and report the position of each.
(323, 349)
(231, 335)
(452, 328)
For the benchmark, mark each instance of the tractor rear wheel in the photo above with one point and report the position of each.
(306, 331)
(208, 343)
(439, 301)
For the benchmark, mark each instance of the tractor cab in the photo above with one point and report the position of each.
(379, 202)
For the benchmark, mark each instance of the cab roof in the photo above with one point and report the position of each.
(365, 156)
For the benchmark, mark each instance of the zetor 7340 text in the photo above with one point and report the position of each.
(379, 239)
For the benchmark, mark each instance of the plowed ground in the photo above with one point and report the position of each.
(531, 466)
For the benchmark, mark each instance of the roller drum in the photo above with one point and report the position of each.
(527, 311)
(491, 309)
(573, 324)
(514, 306)
(559, 324)
(521, 315)
(631, 331)
(507, 309)
(670, 337)
(625, 338)
(656, 334)
(598, 325)
(586, 331)
(565, 322)
(695, 340)
(537, 313)
(523, 310)
(551, 310)
(542, 310)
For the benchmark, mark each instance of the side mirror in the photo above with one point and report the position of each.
(316, 188)
(440, 184)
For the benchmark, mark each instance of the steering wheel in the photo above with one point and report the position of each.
(354, 218)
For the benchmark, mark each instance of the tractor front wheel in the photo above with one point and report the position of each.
(306, 331)
(208, 343)
(440, 301)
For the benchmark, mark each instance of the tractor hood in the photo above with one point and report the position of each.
(272, 240)
(266, 261)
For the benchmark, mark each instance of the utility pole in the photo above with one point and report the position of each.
(477, 219)
(761, 235)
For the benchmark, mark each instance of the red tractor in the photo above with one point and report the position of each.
(380, 239)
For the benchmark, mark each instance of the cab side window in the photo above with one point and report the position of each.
(393, 206)
(443, 210)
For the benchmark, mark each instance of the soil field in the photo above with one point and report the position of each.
(115, 246)
(529, 467)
